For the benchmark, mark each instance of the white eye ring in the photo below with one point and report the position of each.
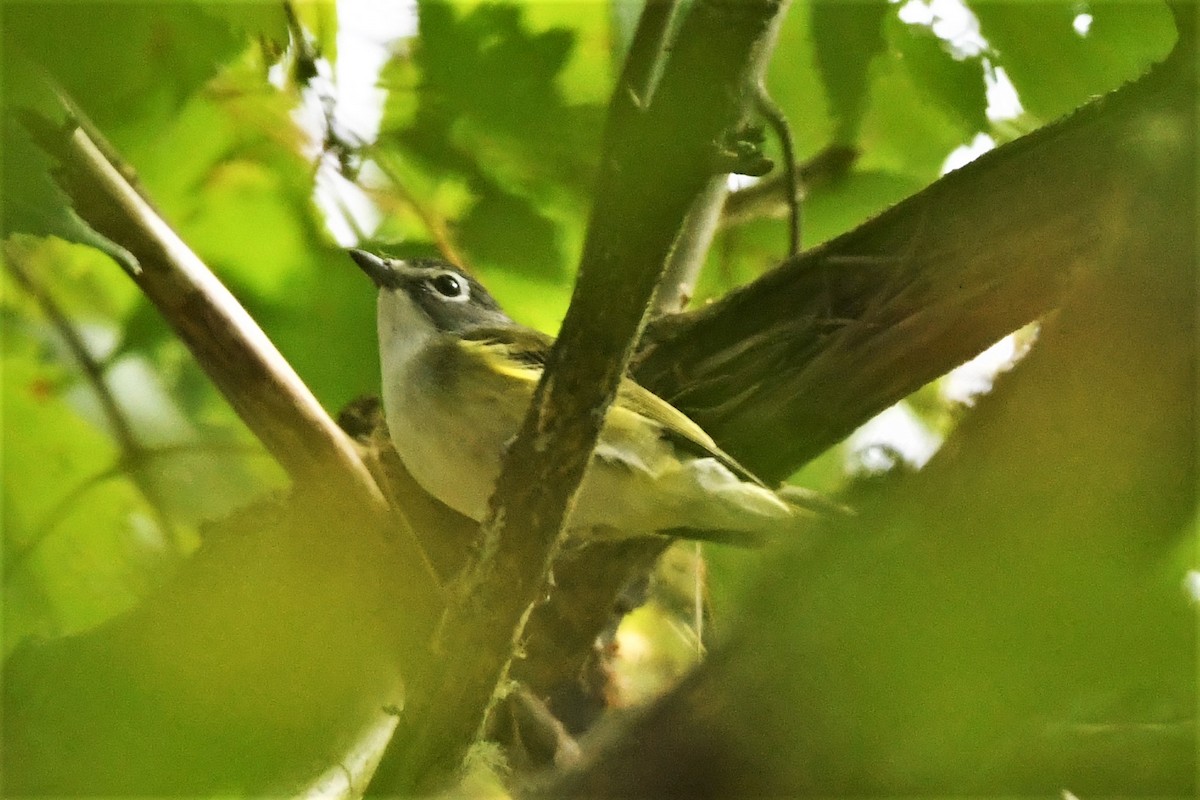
(451, 286)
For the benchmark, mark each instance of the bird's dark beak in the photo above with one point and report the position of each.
(376, 268)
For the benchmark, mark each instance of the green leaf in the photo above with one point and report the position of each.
(955, 85)
(506, 229)
(153, 54)
(902, 133)
(80, 544)
(165, 53)
(1055, 69)
(797, 86)
(269, 20)
(532, 300)
(234, 134)
(587, 75)
(82, 282)
(85, 524)
(321, 20)
(486, 71)
(32, 200)
(847, 37)
(746, 251)
(847, 203)
(492, 99)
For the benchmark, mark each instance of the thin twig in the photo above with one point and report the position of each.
(14, 261)
(703, 220)
(691, 248)
(775, 117)
(643, 65)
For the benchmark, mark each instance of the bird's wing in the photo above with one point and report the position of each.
(526, 349)
(675, 427)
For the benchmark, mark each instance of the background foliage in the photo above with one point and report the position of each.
(250, 132)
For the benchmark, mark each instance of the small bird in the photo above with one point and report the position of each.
(458, 376)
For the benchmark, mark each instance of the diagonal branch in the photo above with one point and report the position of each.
(262, 387)
(792, 363)
(250, 372)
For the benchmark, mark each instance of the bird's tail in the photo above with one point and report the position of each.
(808, 509)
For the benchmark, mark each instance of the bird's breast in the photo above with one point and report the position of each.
(450, 427)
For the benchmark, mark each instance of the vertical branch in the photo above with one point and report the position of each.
(562, 633)
(691, 248)
(656, 159)
(643, 65)
(703, 219)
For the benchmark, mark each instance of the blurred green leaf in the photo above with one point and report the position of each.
(492, 97)
(528, 298)
(165, 52)
(267, 21)
(82, 281)
(505, 229)
(244, 154)
(153, 54)
(746, 251)
(324, 323)
(586, 77)
(244, 200)
(80, 542)
(247, 222)
(846, 38)
(320, 20)
(84, 520)
(955, 84)
(32, 201)
(739, 255)
(797, 86)
(902, 133)
(842, 205)
(1054, 68)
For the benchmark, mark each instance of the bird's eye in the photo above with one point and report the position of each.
(449, 285)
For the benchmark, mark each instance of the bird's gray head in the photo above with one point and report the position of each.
(441, 293)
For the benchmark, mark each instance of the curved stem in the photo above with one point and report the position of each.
(775, 117)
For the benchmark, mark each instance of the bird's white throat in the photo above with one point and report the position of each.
(404, 331)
